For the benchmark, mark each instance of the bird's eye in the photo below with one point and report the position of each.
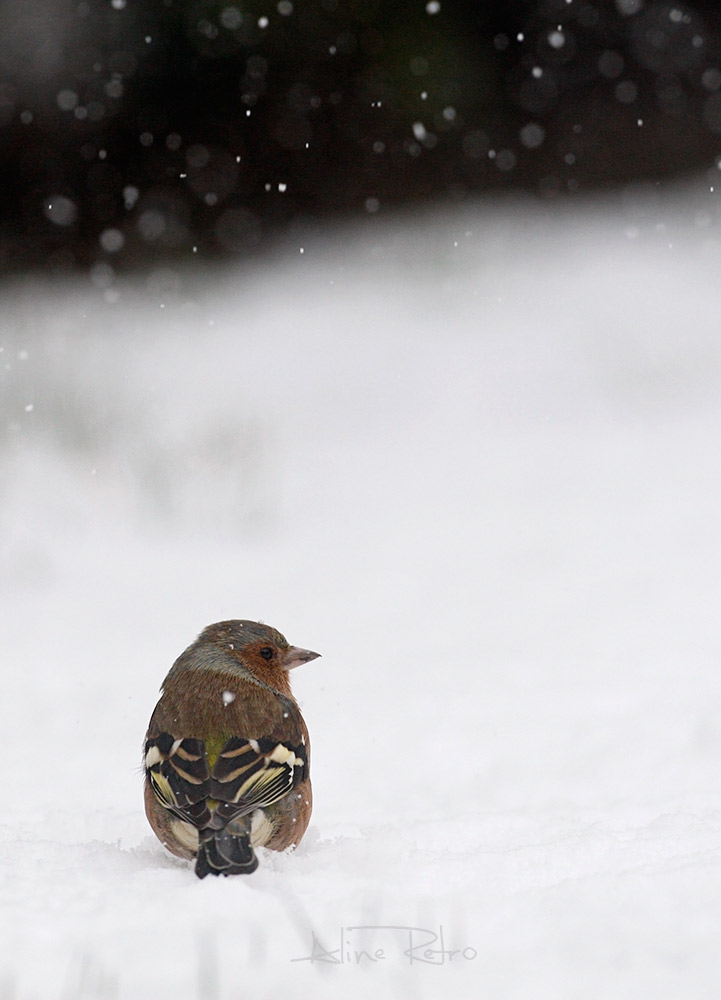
(266, 652)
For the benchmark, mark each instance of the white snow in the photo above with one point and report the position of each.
(472, 459)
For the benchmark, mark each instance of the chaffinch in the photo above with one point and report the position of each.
(227, 754)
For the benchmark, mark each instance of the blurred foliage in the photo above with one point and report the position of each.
(133, 130)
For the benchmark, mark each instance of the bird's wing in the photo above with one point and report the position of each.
(248, 774)
(179, 776)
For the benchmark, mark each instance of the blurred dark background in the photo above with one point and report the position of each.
(133, 130)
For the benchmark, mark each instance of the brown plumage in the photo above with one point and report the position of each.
(227, 753)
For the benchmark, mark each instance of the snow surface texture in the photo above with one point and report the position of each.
(474, 461)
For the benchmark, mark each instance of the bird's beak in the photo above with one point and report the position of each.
(294, 656)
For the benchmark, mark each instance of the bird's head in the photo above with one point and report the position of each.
(245, 646)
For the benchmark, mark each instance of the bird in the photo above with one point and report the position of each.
(227, 752)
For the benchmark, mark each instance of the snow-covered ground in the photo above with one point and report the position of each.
(473, 459)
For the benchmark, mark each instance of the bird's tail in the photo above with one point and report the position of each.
(223, 853)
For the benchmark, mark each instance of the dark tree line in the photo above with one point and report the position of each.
(138, 129)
